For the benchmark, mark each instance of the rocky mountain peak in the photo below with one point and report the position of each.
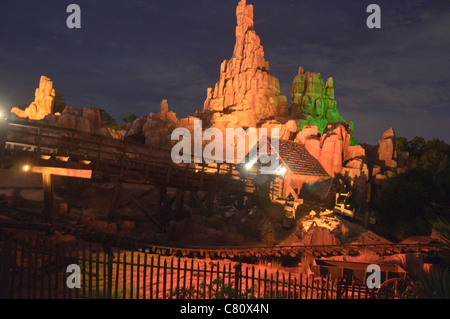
(246, 92)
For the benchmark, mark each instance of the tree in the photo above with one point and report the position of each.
(130, 118)
(406, 195)
(107, 119)
(22, 106)
(60, 104)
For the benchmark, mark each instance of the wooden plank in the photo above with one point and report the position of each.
(68, 172)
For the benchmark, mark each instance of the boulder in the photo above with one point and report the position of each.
(387, 155)
(155, 130)
(320, 236)
(43, 102)
(86, 120)
(312, 97)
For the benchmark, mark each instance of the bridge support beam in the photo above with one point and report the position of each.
(49, 207)
(3, 126)
(47, 185)
(179, 201)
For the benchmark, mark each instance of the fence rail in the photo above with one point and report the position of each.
(38, 269)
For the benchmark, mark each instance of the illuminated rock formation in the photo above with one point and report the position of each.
(246, 92)
(333, 150)
(43, 102)
(86, 120)
(313, 102)
(155, 130)
(387, 155)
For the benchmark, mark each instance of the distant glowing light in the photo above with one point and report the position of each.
(281, 171)
(26, 168)
(250, 164)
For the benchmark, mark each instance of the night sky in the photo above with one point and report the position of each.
(129, 55)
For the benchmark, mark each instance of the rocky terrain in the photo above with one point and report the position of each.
(246, 95)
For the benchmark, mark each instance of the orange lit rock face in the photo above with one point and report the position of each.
(86, 120)
(155, 130)
(333, 150)
(386, 150)
(246, 92)
(43, 102)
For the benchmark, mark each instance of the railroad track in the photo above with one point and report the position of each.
(291, 251)
(251, 252)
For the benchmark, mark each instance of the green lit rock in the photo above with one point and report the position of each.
(313, 102)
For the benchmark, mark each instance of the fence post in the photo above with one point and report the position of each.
(237, 276)
(5, 261)
(110, 271)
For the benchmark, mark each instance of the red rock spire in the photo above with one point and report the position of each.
(246, 91)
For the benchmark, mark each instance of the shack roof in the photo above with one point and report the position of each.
(298, 160)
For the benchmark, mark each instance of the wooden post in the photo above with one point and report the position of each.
(114, 202)
(47, 184)
(179, 201)
(161, 208)
(3, 131)
(210, 197)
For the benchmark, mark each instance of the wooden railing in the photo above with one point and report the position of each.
(129, 162)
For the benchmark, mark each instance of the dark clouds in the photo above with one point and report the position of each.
(129, 55)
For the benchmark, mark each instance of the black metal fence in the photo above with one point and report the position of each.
(39, 269)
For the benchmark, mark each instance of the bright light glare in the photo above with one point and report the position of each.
(26, 168)
(281, 171)
(250, 164)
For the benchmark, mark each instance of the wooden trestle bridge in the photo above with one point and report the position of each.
(52, 150)
(55, 150)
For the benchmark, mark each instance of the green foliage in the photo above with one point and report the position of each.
(407, 194)
(409, 200)
(217, 290)
(433, 285)
(322, 119)
(107, 119)
(433, 156)
(60, 104)
(220, 290)
(402, 203)
(267, 232)
(442, 229)
(130, 118)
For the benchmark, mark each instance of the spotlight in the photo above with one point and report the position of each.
(250, 164)
(281, 171)
(26, 168)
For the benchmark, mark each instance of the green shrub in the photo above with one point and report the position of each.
(267, 232)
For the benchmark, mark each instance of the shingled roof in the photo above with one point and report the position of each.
(299, 161)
